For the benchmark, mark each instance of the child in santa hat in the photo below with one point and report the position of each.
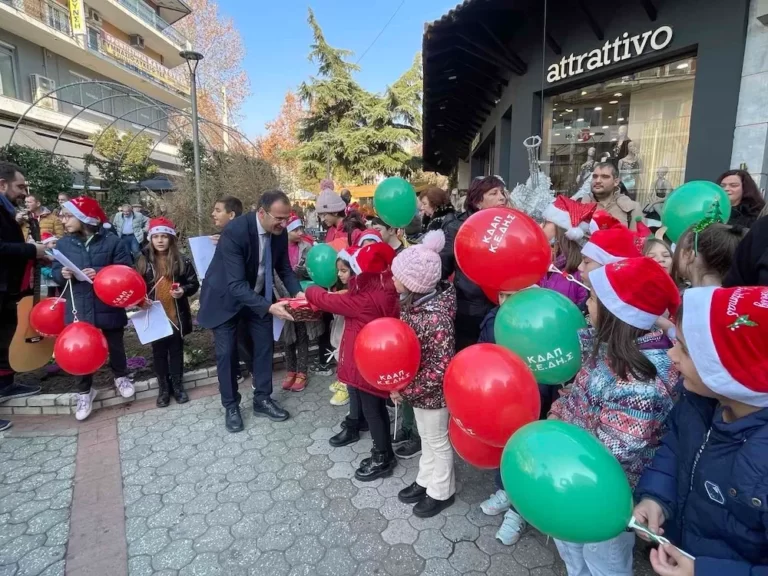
(706, 489)
(624, 390)
(343, 395)
(571, 220)
(606, 246)
(171, 279)
(89, 248)
(370, 295)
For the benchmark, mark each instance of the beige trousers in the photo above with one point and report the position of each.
(436, 463)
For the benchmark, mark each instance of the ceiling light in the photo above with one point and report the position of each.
(569, 109)
(621, 120)
(614, 139)
(591, 133)
(557, 133)
(609, 117)
(555, 105)
(598, 108)
(452, 77)
(605, 127)
(613, 102)
(583, 92)
(440, 125)
(579, 119)
(618, 95)
(682, 66)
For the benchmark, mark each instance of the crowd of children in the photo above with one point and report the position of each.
(677, 393)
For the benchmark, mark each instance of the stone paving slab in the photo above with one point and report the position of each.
(36, 482)
(276, 499)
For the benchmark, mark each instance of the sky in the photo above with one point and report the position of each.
(277, 39)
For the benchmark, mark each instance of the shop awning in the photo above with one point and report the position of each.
(467, 63)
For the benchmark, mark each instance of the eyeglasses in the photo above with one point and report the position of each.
(278, 218)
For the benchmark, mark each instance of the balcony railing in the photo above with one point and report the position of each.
(48, 12)
(145, 12)
(56, 16)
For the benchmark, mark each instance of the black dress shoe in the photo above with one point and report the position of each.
(362, 427)
(163, 396)
(344, 438)
(380, 465)
(179, 394)
(233, 421)
(412, 494)
(270, 409)
(428, 506)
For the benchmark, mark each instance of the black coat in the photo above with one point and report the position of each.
(750, 262)
(188, 282)
(229, 282)
(470, 298)
(103, 250)
(440, 218)
(741, 216)
(14, 254)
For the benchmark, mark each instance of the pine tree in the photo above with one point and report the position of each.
(357, 134)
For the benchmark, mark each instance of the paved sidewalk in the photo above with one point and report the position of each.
(169, 492)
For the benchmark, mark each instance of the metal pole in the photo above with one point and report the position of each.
(196, 148)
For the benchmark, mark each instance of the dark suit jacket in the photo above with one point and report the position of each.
(231, 277)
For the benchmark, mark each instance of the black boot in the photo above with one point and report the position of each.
(380, 465)
(163, 394)
(178, 390)
(347, 436)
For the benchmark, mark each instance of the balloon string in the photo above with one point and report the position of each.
(72, 296)
(394, 435)
(569, 277)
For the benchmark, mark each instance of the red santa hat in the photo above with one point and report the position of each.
(612, 245)
(86, 209)
(47, 237)
(349, 255)
(602, 220)
(570, 215)
(368, 236)
(726, 333)
(637, 291)
(641, 235)
(294, 222)
(161, 226)
(375, 258)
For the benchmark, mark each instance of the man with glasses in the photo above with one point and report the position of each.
(238, 286)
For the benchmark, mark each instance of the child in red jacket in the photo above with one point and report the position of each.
(370, 295)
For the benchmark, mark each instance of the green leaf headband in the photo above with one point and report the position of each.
(714, 216)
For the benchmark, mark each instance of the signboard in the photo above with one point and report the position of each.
(622, 48)
(122, 52)
(77, 16)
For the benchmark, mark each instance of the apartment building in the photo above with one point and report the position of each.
(62, 44)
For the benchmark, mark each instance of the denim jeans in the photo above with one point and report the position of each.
(130, 242)
(610, 558)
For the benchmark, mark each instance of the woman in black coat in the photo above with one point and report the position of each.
(746, 200)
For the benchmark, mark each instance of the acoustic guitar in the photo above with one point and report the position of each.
(29, 351)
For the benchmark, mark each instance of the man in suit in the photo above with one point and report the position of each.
(18, 259)
(239, 286)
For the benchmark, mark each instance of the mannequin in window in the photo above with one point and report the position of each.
(629, 169)
(585, 171)
(621, 148)
(661, 188)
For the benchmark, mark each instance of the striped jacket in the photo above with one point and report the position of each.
(627, 416)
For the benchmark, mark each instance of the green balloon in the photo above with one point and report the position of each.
(306, 284)
(565, 483)
(691, 203)
(395, 202)
(541, 326)
(321, 265)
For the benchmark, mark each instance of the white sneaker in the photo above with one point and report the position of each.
(124, 386)
(496, 504)
(511, 529)
(85, 404)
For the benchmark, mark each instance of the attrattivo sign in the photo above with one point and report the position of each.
(622, 48)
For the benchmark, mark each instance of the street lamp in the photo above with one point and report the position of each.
(193, 59)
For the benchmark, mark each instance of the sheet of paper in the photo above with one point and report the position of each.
(202, 248)
(277, 328)
(67, 263)
(151, 324)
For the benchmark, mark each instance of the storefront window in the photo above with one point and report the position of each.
(639, 122)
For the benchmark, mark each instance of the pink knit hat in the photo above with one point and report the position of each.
(419, 267)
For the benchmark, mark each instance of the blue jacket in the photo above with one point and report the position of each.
(103, 250)
(486, 328)
(229, 282)
(711, 478)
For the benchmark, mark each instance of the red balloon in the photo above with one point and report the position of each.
(80, 349)
(47, 317)
(388, 354)
(492, 295)
(473, 450)
(119, 286)
(491, 393)
(502, 249)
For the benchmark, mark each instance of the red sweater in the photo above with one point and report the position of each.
(369, 296)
